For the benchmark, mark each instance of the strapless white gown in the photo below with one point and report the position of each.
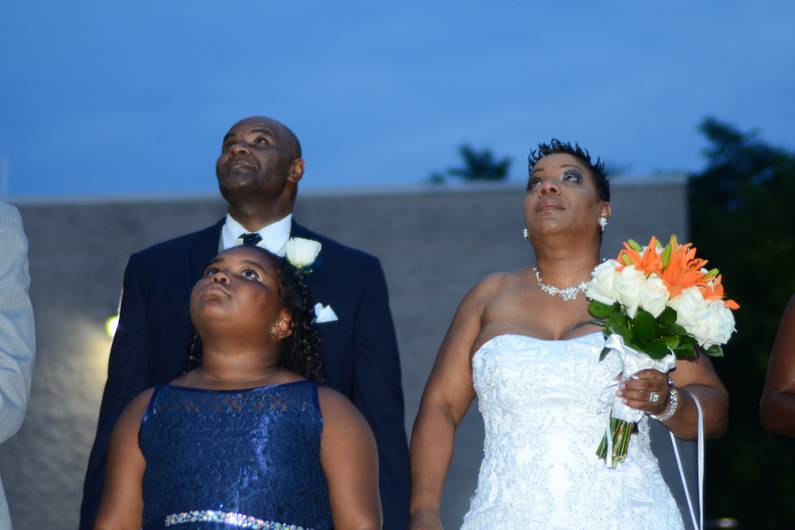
(540, 405)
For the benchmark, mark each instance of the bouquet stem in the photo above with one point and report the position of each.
(620, 432)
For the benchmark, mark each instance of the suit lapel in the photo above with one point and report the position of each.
(204, 247)
(297, 230)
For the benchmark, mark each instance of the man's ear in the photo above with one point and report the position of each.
(296, 170)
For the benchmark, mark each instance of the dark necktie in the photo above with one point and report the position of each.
(250, 240)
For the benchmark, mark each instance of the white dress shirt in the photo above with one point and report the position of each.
(274, 236)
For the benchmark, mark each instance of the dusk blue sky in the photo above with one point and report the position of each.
(109, 98)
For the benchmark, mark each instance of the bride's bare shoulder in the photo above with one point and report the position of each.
(494, 283)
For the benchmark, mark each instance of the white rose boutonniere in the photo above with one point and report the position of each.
(301, 253)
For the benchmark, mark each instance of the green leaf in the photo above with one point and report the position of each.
(634, 344)
(604, 353)
(634, 245)
(600, 310)
(626, 260)
(672, 341)
(618, 323)
(715, 351)
(667, 317)
(685, 351)
(645, 326)
(712, 273)
(677, 329)
(687, 339)
(656, 349)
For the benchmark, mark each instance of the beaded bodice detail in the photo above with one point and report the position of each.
(234, 459)
(540, 405)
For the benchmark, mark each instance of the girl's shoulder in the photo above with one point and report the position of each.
(336, 407)
(140, 403)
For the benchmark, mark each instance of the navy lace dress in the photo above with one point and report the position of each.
(234, 459)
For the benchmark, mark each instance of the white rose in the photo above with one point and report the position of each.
(720, 324)
(628, 287)
(653, 295)
(692, 312)
(602, 286)
(301, 252)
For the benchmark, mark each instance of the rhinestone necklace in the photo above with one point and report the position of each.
(568, 294)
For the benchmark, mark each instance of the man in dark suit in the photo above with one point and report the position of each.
(258, 173)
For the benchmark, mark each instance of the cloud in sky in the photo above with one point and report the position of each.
(102, 98)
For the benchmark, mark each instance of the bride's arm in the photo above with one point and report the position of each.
(778, 397)
(447, 396)
(691, 378)
(698, 378)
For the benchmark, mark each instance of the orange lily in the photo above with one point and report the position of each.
(649, 262)
(713, 290)
(677, 266)
(683, 270)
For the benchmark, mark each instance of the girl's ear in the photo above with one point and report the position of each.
(283, 327)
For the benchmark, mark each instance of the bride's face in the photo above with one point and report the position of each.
(562, 197)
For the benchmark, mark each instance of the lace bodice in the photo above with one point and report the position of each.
(540, 405)
(234, 459)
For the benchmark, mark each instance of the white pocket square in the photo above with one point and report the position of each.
(324, 313)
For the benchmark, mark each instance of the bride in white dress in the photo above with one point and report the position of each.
(522, 343)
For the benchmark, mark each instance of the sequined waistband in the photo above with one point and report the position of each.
(239, 520)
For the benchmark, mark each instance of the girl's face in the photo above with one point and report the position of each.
(239, 292)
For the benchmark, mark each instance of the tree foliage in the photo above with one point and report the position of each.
(742, 212)
(480, 165)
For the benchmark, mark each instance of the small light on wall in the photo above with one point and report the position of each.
(110, 325)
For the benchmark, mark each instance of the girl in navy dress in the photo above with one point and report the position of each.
(246, 438)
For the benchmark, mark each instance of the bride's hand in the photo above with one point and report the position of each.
(638, 391)
(425, 520)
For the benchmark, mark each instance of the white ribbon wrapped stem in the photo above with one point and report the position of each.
(632, 362)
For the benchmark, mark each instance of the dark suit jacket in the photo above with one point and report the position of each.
(359, 349)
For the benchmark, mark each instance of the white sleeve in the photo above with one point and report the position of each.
(17, 337)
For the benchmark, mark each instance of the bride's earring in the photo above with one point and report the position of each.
(603, 223)
(524, 233)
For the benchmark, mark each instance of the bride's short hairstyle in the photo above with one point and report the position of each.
(555, 146)
(301, 351)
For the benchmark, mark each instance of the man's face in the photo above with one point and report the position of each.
(255, 158)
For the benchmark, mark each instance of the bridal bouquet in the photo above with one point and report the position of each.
(656, 304)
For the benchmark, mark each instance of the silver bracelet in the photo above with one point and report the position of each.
(673, 403)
